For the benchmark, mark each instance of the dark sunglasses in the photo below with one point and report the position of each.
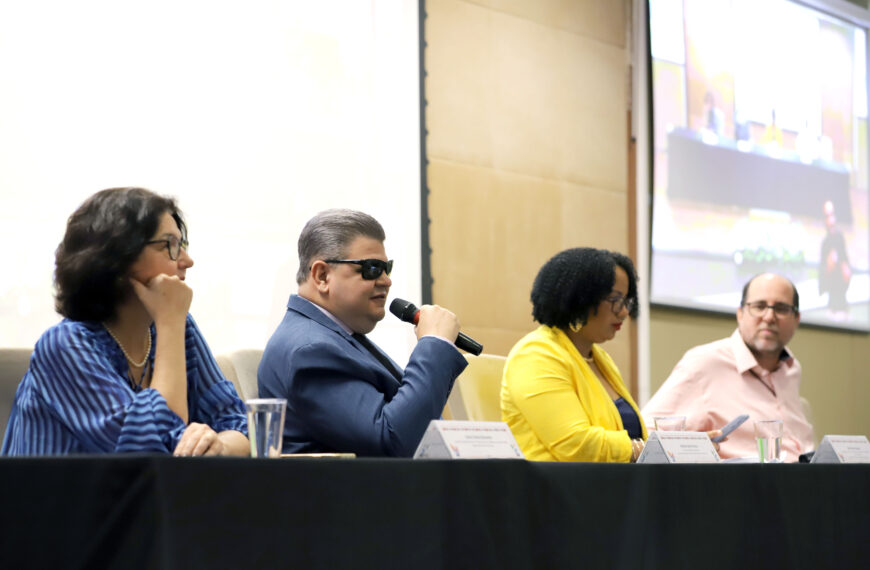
(371, 268)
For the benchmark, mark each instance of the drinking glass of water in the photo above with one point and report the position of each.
(768, 436)
(266, 426)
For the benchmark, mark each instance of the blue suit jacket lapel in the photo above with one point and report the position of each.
(387, 382)
(307, 308)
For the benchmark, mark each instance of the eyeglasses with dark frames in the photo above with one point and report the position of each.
(618, 302)
(173, 246)
(371, 269)
(759, 308)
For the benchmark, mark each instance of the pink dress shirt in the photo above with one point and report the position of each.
(714, 383)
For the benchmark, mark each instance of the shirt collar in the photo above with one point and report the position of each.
(746, 360)
(332, 317)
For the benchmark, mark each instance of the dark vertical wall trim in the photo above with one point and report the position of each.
(425, 249)
(650, 158)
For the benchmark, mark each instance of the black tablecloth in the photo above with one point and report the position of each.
(164, 512)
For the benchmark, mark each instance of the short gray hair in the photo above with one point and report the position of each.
(328, 235)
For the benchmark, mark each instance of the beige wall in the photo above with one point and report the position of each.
(528, 150)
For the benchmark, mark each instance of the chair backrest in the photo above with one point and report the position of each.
(480, 387)
(229, 371)
(245, 363)
(13, 364)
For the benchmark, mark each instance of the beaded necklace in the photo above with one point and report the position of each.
(121, 346)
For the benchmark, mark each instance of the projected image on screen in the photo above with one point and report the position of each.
(760, 155)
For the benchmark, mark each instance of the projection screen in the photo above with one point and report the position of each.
(760, 155)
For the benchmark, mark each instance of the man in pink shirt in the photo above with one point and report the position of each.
(751, 372)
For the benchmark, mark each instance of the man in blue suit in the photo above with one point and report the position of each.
(343, 393)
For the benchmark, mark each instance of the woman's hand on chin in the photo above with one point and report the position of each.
(166, 298)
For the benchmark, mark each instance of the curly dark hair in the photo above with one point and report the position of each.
(103, 238)
(571, 285)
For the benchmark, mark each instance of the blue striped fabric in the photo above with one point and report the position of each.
(75, 397)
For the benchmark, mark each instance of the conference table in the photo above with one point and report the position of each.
(148, 511)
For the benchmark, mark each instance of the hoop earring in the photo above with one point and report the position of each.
(575, 326)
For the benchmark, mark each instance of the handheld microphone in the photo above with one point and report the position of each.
(409, 313)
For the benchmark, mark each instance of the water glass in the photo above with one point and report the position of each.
(266, 426)
(768, 436)
(670, 423)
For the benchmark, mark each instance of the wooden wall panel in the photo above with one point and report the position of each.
(490, 232)
(527, 151)
(459, 82)
(603, 20)
(594, 217)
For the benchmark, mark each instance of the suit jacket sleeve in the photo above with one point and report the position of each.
(334, 394)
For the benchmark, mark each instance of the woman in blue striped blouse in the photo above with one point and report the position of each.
(127, 370)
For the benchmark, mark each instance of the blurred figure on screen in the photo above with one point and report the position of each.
(714, 118)
(772, 136)
(751, 372)
(835, 273)
(127, 369)
(741, 129)
(562, 395)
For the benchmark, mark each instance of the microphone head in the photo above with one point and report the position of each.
(403, 309)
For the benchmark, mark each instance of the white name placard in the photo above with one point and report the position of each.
(468, 440)
(678, 447)
(843, 449)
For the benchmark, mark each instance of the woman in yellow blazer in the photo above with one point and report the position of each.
(561, 394)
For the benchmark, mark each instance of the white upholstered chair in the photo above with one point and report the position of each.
(240, 368)
(13, 365)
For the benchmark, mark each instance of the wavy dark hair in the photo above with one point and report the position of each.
(103, 238)
(571, 285)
